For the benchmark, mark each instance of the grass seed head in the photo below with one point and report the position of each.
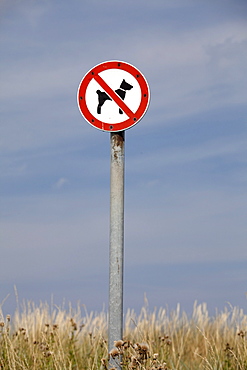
(73, 324)
(103, 362)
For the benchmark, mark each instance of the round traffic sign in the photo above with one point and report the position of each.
(113, 96)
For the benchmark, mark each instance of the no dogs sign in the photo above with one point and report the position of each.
(113, 96)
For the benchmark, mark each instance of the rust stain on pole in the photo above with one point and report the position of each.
(118, 138)
(117, 143)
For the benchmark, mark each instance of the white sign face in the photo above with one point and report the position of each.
(113, 96)
(109, 112)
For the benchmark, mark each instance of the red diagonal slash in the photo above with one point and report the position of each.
(114, 96)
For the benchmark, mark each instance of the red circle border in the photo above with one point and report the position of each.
(130, 122)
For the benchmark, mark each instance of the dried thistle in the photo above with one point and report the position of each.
(143, 351)
(118, 343)
(114, 352)
(242, 333)
(228, 350)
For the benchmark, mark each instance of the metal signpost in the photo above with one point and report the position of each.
(113, 96)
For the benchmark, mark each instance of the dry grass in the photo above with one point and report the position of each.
(44, 337)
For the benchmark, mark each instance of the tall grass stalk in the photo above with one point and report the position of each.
(49, 337)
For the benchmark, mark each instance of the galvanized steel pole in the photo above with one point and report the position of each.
(115, 331)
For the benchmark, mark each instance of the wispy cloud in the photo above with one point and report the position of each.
(60, 183)
(160, 158)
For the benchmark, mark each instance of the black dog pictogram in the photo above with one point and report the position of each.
(102, 96)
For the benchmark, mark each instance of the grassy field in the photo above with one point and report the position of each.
(45, 337)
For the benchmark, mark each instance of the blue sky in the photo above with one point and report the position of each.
(185, 188)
